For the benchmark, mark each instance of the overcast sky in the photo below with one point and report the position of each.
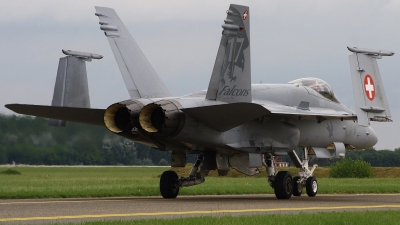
(289, 40)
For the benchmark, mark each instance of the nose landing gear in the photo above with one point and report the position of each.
(311, 186)
(282, 182)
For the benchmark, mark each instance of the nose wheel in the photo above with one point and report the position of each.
(311, 186)
(282, 182)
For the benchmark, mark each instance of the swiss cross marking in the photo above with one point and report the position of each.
(245, 14)
(369, 87)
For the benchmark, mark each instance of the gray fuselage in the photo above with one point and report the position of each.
(274, 133)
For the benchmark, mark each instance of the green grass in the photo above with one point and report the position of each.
(10, 172)
(335, 218)
(320, 172)
(68, 182)
(226, 186)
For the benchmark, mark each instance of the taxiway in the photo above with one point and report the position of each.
(76, 210)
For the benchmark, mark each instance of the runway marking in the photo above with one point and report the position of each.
(197, 212)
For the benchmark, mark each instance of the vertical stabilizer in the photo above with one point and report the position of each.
(369, 94)
(231, 77)
(140, 78)
(71, 88)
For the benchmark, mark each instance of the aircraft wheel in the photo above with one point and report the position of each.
(283, 185)
(169, 184)
(311, 186)
(297, 187)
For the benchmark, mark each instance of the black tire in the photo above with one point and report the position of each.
(283, 185)
(169, 184)
(297, 188)
(311, 186)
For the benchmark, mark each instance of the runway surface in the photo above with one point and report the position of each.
(83, 209)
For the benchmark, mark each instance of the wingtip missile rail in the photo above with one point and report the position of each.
(83, 55)
(370, 51)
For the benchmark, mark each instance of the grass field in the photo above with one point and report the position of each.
(320, 172)
(66, 182)
(336, 218)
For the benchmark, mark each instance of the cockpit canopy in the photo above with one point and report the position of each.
(318, 85)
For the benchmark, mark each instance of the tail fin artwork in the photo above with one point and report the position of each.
(369, 94)
(231, 77)
(140, 78)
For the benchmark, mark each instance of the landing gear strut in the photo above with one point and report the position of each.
(170, 183)
(305, 178)
(282, 182)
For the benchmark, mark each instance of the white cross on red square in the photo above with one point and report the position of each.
(369, 87)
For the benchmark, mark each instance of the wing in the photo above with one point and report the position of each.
(306, 112)
(80, 115)
(227, 116)
(140, 78)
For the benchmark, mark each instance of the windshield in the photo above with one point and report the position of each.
(318, 85)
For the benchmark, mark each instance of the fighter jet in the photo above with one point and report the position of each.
(235, 124)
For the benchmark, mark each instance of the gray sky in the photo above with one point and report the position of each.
(289, 40)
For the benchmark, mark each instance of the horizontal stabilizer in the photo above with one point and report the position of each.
(80, 115)
(226, 116)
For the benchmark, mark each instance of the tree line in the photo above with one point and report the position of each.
(29, 140)
(377, 158)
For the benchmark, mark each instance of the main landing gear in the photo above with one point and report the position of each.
(170, 183)
(284, 185)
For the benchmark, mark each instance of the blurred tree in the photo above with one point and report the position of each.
(30, 140)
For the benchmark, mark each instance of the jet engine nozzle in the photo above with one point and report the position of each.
(162, 117)
(122, 116)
